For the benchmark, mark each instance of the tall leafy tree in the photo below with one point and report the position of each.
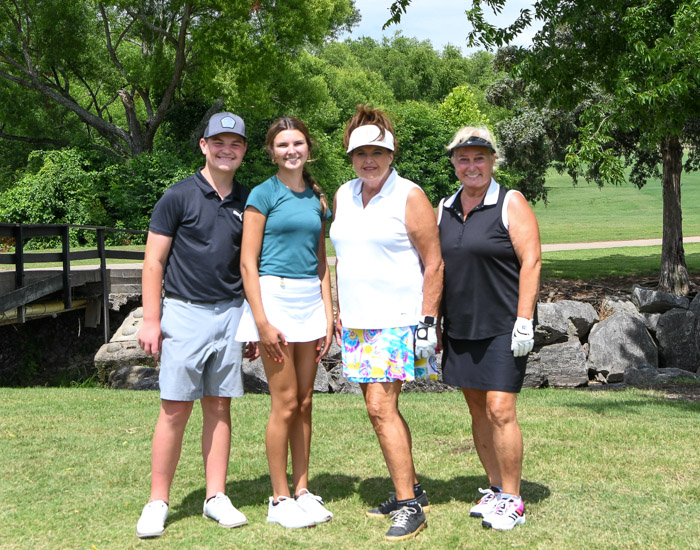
(640, 60)
(115, 70)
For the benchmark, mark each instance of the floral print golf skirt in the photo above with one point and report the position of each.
(384, 355)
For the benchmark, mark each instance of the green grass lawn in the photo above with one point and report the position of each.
(642, 261)
(605, 469)
(586, 212)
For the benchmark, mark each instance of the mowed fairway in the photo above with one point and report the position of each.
(586, 212)
(602, 470)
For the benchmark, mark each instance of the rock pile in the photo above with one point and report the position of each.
(651, 338)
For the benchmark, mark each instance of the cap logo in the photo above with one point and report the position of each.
(228, 122)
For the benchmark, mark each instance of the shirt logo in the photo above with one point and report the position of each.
(238, 214)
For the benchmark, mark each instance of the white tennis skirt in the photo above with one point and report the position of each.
(294, 306)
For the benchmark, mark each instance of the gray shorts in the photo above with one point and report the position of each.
(200, 356)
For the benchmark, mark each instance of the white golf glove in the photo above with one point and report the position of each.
(426, 340)
(523, 339)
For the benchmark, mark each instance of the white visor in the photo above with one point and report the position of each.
(369, 134)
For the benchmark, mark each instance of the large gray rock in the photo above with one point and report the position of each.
(534, 373)
(551, 325)
(123, 349)
(620, 342)
(126, 353)
(255, 381)
(651, 320)
(646, 375)
(695, 305)
(653, 301)
(340, 384)
(677, 335)
(134, 378)
(580, 315)
(429, 386)
(619, 304)
(561, 365)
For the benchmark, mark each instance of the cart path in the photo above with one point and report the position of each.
(610, 244)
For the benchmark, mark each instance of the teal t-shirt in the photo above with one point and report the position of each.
(292, 229)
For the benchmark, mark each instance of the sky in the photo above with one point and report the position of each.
(440, 21)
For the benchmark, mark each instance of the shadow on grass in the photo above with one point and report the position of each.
(254, 492)
(375, 490)
(637, 405)
(593, 264)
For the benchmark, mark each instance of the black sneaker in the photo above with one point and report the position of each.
(386, 508)
(408, 522)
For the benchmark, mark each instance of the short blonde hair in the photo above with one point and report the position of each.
(463, 134)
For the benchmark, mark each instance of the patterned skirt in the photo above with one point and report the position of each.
(384, 355)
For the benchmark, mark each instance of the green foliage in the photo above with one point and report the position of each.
(132, 188)
(118, 68)
(59, 187)
(422, 136)
(460, 108)
(262, 60)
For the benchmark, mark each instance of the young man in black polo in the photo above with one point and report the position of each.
(192, 264)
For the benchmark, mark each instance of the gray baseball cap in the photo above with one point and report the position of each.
(223, 123)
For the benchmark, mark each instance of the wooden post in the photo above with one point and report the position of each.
(19, 267)
(105, 282)
(65, 242)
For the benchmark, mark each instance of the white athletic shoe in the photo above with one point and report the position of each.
(509, 513)
(220, 509)
(486, 504)
(288, 514)
(313, 506)
(152, 520)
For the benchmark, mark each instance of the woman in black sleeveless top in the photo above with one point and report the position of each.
(491, 248)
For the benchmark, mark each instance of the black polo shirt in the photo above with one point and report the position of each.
(482, 271)
(204, 260)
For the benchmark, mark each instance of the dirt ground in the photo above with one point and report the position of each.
(594, 291)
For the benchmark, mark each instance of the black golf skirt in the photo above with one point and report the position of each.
(482, 364)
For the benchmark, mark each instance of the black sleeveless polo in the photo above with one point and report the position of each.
(482, 272)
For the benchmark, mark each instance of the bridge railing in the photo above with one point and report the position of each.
(24, 294)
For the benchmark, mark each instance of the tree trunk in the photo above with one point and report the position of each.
(674, 274)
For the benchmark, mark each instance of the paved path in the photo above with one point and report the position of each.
(610, 244)
(545, 248)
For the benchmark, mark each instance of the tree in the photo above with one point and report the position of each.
(115, 70)
(633, 66)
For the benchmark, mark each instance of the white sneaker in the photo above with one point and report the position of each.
(486, 504)
(152, 520)
(288, 514)
(313, 506)
(219, 508)
(509, 513)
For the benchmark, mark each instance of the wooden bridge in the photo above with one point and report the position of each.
(27, 293)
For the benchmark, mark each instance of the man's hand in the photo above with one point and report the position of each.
(150, 338)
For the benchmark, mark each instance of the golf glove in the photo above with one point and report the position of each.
(523, 339)
(426, 340)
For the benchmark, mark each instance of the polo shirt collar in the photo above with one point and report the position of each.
(207, 189)
(490, 198)
(387, 188)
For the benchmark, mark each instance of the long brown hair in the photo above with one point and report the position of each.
(369, 115)
(293, 123)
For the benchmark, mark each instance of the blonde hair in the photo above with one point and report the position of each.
(463, 134)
